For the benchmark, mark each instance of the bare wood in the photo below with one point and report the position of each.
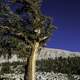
(32, 63)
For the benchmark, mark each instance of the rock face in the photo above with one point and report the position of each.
(13, 68)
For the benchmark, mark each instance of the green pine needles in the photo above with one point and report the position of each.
(22, 26)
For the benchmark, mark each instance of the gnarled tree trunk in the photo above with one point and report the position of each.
(32, 62)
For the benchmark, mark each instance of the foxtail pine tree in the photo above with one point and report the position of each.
(23, 31)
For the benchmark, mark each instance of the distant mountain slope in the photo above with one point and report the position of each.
(45, 53)
(52, 53)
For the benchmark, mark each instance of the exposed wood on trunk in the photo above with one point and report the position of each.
(32, 62)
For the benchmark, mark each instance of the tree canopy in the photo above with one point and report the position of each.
(21, 24)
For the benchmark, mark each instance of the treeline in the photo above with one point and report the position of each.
(70, 65)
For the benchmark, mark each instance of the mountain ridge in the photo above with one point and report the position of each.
(52, 53)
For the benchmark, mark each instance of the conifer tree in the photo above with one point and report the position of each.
(23, 30)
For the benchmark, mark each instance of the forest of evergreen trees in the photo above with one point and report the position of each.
(70, 65)
(15, 67)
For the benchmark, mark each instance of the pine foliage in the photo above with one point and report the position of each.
(22, 24)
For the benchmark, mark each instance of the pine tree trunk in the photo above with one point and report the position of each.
(32, 63)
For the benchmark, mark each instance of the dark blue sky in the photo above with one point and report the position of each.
(66, 16)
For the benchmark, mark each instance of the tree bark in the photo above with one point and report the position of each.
(32, 62)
